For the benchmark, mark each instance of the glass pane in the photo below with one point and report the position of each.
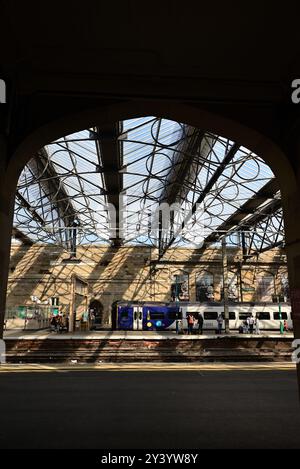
(210, 315)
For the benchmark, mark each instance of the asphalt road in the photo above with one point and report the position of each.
(131, 409)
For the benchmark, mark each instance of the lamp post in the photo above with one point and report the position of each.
(280, 316)
(177, 304)
(225, 284)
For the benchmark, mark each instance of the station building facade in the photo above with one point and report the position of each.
(44, 273)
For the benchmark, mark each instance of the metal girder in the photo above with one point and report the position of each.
(108, 148)
(164, 163)
(52, 181)
(184, 173)
(214, 178)
(215, 263)
(25, 204)
(269, 209)
(18, 234)
(278, 244)
(51, 184)
(268, 191)
(268, 240)
(184, 167)
(249, 252)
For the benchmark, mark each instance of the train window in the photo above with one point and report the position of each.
(156, 315)
(231, 315)
(210, 315)
(124, 315)
(195, 314)
(283, 315)
(264, 316)
(243, 316)
(174, 315)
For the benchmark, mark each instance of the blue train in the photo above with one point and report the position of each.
(154, 316)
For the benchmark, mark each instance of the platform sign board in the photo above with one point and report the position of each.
(295, 300)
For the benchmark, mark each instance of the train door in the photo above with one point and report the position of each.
(137, 318)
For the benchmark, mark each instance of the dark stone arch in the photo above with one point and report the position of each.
(192, 114)
(189, 114)
(96, 307)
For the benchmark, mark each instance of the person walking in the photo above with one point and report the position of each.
(285, 326)
(220, 323)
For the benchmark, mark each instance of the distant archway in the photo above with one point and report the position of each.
(96, 308)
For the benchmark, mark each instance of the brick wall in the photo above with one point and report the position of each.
(124, 273)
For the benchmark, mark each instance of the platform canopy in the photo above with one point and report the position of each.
(148, 181)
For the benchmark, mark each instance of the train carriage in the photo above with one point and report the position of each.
(154, 316)
(268, 314)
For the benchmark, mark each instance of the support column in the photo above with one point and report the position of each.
(240, 283)
(225, 284)
(292, 247)
(7, 193)
(72, 310)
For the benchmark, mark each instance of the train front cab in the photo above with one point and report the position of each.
(129, 317)
(159, 317)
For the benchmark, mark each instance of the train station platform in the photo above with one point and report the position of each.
(141, 346)
(137, 335)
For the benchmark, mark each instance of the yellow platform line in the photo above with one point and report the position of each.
(40, 368)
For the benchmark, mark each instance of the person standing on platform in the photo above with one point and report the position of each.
(220, 323)
(251, 324)
(67, 322)
(190, 321)
(53, 323)
(92, 319)
(179, 326)
(257, 331)
(195, 325)
(200, 324)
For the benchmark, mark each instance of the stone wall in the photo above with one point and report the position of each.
(124, 273)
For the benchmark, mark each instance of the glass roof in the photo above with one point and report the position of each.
(207, 178)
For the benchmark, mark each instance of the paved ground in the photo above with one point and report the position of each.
(189, 406)
(45, 334)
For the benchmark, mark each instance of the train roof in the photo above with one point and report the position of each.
(209, 304)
